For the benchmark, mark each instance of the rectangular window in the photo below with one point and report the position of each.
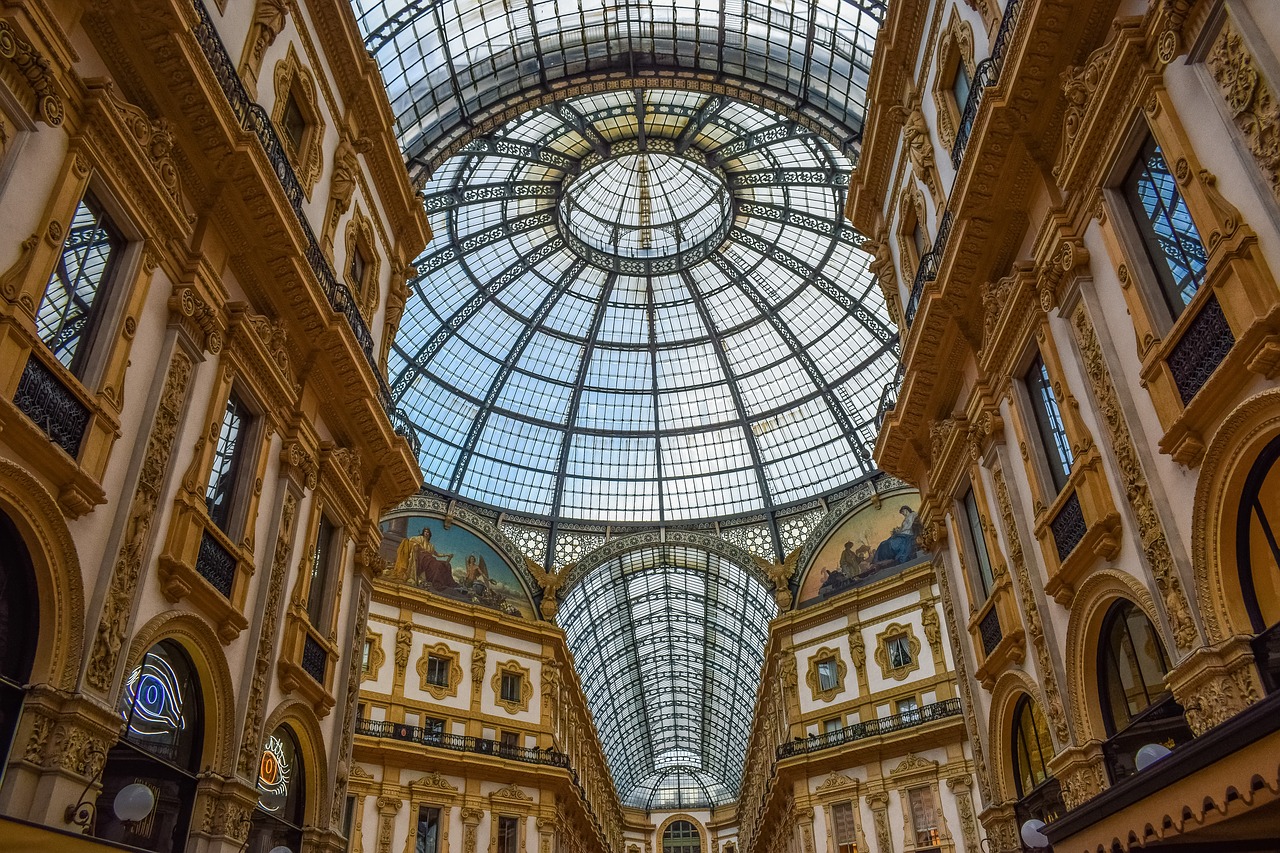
(973, 520)
(348, 819)
(508, 834)
(428, 838)
(843, 829)
(321, 572)
(1169, 236)
(924, 817)
(899, 652)
(68, 310)
(960, 88)
(437, 670)
(1048, 417)
(828, 675)
(357, 266)
(366, 657)
(510, 741)
(511, 685)
(908, 709)
(834, 724)
(432, 728)
(227, 463)
(295, 124)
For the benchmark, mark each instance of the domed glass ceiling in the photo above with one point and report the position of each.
(669, 643)
(643, 306)
(458, 69)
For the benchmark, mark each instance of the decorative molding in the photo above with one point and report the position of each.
(815, 682)
(1155, 547)
(1249, 99)
(292, 77)
(440, 691)
(1031, 614)
(512, 706)
(35, 70)
(117, 607)
(251, 739)
(892, 631)
(377, 657)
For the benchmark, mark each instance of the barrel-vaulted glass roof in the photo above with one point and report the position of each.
(456, 69)
(669, 643)
(643, 306)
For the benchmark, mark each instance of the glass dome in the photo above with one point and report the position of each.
(643, 306)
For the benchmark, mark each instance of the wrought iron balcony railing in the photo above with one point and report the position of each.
(928, 269)
(986, 74)
(871, 728)
(253, 118)
(461, 743)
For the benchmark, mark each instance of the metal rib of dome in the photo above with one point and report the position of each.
(455, 70)
(669, 643)
(643, 306)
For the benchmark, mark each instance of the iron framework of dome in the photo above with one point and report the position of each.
(669, 643)
(457, 70)
(643, 306)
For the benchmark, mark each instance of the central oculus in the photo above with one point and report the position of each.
(646, 211)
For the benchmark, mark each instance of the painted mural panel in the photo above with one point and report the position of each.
(452, 562)
(873, 542)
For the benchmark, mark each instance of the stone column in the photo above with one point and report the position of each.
(387, 809)
(879, 803)
(960, 785)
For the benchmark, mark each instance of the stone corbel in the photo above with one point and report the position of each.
(1215, 683)
(35, 70)
(199, 322)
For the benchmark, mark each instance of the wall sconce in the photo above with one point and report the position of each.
(1032, 835)
(1149, 754)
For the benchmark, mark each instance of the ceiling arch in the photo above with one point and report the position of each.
(456, 70)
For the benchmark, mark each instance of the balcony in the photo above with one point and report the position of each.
(461, 743)
(871, 728)
(253, 118)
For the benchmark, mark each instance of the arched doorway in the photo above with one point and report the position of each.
(1258, 547)
(282, 795)
(160, 748)
(19, 630)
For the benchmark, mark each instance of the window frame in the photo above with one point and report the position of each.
(508, 834)
(975, 542)
(326, 552)
(417, 832)
(511, 678)
(113, 293)
(247, 440)
(1053, 467)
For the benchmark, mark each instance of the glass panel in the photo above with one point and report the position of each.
(511, 683)
(438, 671)
(1033, 746)
(1168, 233)
(1133, 665)
(622, 321)
(428, 837)
(899, 652)
(669, 645)
(979, 541)
(65, 316)
(321, 572)
(508, 834)
(681, 836)
(226, 462)
(843, 828)
(924, 816)
(1053, 435)
(828, 676)
(960, 88)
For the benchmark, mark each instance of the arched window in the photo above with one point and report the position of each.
(1032, 747)
(681, 836)
(1258, 539)
(282, 795)
(19, 629)
(1131, 665)
(162, 708)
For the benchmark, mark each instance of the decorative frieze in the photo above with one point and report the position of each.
(1155, 547)
(142, 512)
(1249, 99)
